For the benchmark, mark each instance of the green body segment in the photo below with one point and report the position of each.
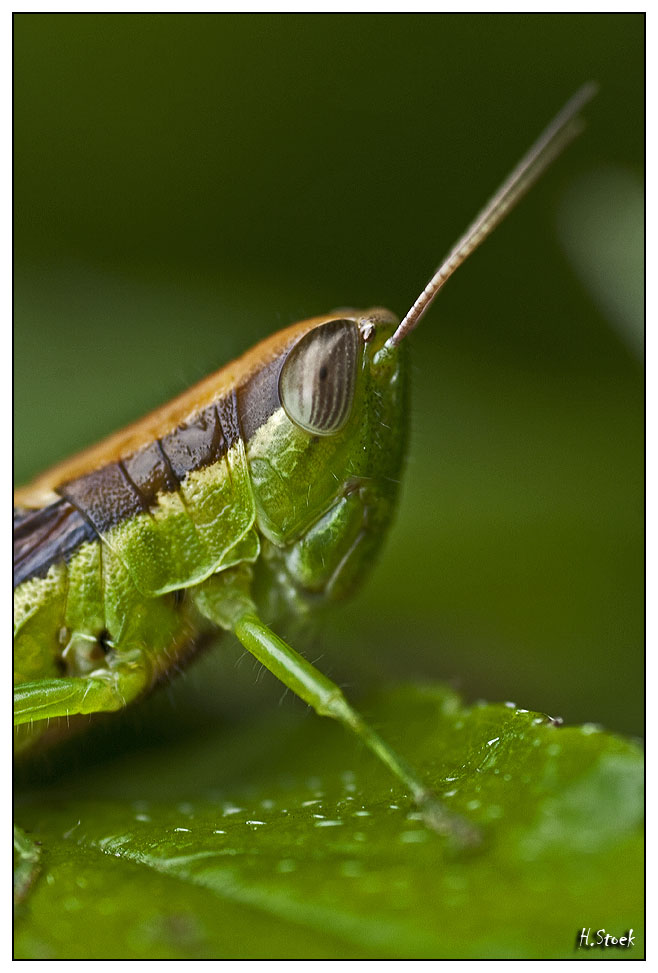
(191, 533)
(281, 518)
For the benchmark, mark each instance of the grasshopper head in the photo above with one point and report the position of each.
(327, 464)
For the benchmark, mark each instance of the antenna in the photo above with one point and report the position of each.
(562, 130)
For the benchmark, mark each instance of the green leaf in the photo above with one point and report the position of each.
(282, 838)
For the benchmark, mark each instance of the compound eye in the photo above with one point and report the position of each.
(317, 381)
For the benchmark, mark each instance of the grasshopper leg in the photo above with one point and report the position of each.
(327, 699)
(101, 691)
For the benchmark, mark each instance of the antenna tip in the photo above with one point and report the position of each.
(584, 94)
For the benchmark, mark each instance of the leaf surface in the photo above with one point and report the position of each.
(281, 838)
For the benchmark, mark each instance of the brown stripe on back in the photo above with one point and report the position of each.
(44, 537)
(121, 490)
(163, 421)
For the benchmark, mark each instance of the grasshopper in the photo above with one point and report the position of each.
(258, 493)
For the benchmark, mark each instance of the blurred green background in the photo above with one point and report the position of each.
(187, 184)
